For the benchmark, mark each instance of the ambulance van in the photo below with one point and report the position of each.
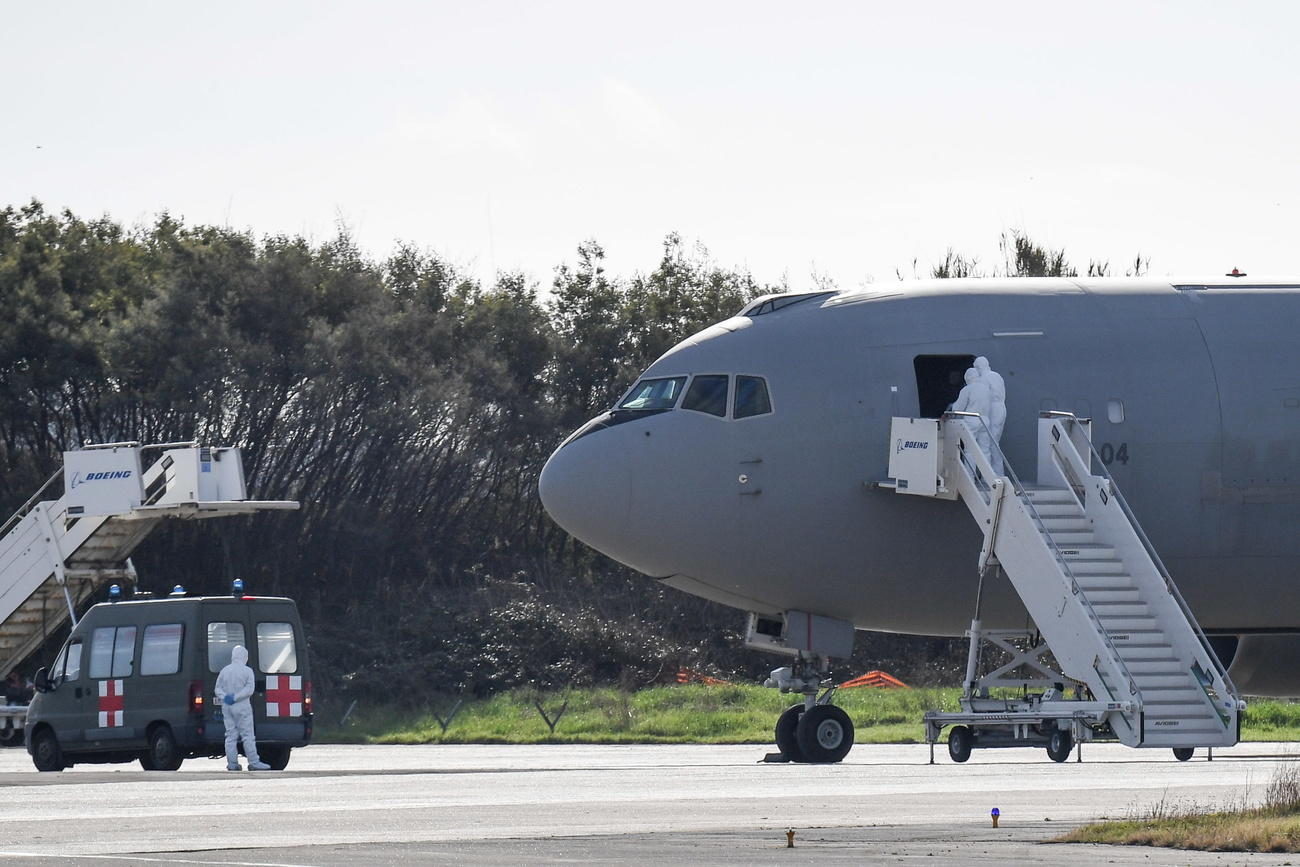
(135, 680)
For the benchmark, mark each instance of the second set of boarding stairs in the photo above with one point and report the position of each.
(1094, 586)
(63, 544)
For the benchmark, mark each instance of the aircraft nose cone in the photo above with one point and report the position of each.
(586, 488)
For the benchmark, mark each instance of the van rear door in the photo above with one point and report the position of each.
(281, 674)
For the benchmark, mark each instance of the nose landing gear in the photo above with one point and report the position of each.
(813, 731)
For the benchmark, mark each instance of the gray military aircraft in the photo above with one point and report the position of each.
(740, 467)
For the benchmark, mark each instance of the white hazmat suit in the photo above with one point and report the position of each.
(997, 417)
(976, 397)
(235, 684)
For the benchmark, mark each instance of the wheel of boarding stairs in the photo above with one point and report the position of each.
(960, 741)
(787, 739)
(1059, 744)
(1184, 753)
(825, 734)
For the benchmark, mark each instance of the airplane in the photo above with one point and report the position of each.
(743, 465)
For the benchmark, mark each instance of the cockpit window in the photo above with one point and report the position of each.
(654, 393)
(773, 303)
(751, 397)
(708, 393)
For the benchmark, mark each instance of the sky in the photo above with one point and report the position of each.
(805, 142)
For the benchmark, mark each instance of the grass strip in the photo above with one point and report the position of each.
(687, 713)
(1259, 830)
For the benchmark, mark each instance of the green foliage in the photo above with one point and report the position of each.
(410, 408)
(688, 713)
(676, 713)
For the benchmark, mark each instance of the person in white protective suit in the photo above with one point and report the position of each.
(235, 684)
(997, 417)
(976, 397)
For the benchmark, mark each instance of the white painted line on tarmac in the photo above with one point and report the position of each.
(131, 857)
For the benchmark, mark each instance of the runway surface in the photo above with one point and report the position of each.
(613, 804)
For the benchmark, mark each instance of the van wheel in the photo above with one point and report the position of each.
(163, 753)
(275, 756)
(47, 755)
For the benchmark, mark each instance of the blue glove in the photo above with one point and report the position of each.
(229, 699)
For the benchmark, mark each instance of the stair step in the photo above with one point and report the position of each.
(1129, 651)
(1087, 552)
(1129, 596)
(1141, 668)
(1051, 495)
(1118, 624)
(1160, 688)
(1082, 568)
(1186, 738)
(1066, 523)
(1097, 583)
(1072, 538)
(1119, 609)
(1179, 711)
(1054, 511)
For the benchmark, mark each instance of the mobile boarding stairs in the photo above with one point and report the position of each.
(1127, 646)
(55, 552)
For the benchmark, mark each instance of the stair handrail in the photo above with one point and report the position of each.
(1075, 590)
(1170, 585)
(26, 507)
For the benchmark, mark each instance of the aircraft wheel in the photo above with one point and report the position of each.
(1059, 744)
(960, 741)
(275, 756)
(47, 755)
(1184, 753)
(787, 739)
(163, 754)
(825, 734)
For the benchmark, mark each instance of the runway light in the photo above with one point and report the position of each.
(789, 839)
(995, 813)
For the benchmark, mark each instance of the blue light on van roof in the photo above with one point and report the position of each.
(178, 590)
(237, 587)
(114, 593)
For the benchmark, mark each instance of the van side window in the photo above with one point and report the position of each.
(222, 638)
(751, 397)
(160, 652)
(112, 651)
(276, 653)
(68, 665)
(74, 661)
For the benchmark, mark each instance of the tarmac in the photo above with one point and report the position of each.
(640, 804)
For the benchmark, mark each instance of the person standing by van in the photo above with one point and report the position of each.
(235, 684)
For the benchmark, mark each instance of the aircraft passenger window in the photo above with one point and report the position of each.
(707, 394)
(655, 393)
(222, 638)
(751, 397)
(160, 651)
